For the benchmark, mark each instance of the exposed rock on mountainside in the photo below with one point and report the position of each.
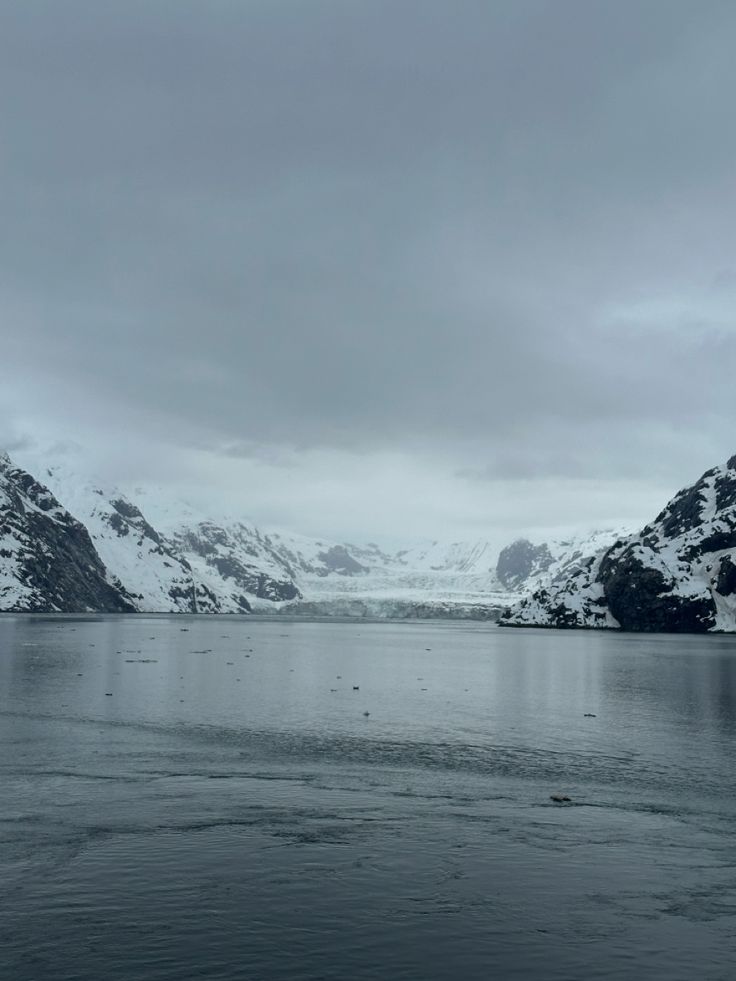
(523, 567)
(677, 574)
(284, 572)
(433, 579)
(521, 560)
(163, 556)
(236, 564)
(47, 560)
(338, 559)
(313, 577)
(153, 573)
(159, 555)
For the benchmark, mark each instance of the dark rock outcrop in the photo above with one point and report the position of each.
(49, 561)
(520, 560)
(642, 598)
(726, 577)
(678, 574)
(228, 552)
(338, 559)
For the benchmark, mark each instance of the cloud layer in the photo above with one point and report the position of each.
(485, 249)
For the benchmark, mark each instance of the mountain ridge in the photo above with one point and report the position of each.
(677, 574)
(163, 556)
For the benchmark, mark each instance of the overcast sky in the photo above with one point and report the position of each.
(368, 268)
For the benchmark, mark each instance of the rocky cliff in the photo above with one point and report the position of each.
(677, 574)
(48, 562)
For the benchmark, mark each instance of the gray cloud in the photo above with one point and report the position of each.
(498, 237)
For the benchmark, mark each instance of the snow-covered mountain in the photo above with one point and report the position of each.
(292, 573)
(677, 574)
(524, 567)
(164, 555)
(430, 579)
(236, 564)
(282, 571)
(167, 556)
(47, 559)
(197, 568)
(152, 572)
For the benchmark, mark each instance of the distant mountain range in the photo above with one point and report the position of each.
(678, 574)
(72, 544)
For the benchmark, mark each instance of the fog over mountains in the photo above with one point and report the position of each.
(70, 543)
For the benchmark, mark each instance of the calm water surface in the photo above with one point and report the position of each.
(206, 798)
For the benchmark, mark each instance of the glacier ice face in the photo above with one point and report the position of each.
(159, 555)
(169, 557)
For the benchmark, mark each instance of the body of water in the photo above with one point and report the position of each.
(234, 798)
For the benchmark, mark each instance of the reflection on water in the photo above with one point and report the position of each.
(187, 797)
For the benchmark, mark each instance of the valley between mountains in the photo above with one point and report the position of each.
(70, 544)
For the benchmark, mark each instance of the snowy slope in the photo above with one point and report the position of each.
(322, 576)
(574, 598)
(196, 568)
(236, 564)
(524, 567)
(677, 574)
(428, 579)
(294, 573)
(152, 572)
(47, 560)
(169, 556)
